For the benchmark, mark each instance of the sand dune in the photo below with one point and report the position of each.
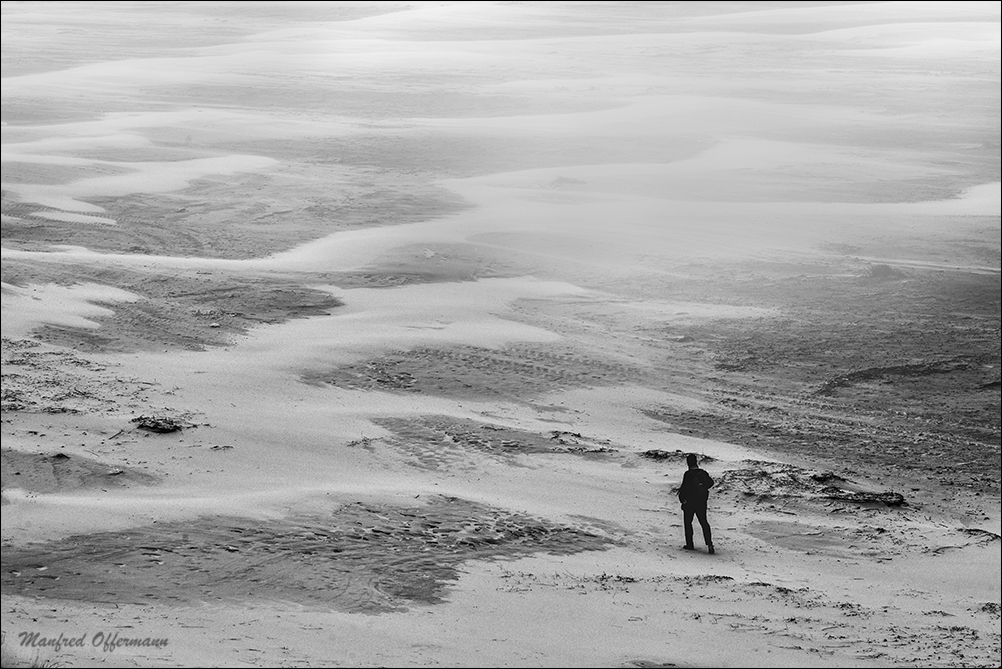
(376, 335)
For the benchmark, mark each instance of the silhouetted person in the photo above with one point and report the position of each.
(693, 494)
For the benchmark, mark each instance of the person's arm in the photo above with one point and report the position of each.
(709, 481)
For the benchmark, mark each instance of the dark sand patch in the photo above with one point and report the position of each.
(444, 442)
(59, 472)
(513, 373)
(188, 310)
(360, 558)
(232, 217)
(431, 263)
(47, 173)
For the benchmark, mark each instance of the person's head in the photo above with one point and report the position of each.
(691, 460)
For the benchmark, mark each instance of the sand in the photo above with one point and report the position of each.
(348, 334)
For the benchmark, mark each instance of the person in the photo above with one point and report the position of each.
(693, 494)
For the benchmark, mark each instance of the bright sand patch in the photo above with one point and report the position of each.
(25, 309)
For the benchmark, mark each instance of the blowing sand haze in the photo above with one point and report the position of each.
(378, 334)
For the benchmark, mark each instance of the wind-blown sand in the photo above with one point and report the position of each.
(349, 334)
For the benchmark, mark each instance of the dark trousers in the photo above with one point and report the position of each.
(699, 511)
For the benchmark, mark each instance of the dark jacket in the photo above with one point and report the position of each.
(695, 488)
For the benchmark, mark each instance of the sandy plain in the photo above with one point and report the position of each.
(365, 334)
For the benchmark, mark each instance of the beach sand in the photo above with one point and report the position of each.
(348, 334)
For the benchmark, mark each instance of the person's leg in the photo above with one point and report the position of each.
(687, 514)
(700, 513)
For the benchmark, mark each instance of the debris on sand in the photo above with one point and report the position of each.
(562, 436)
(774, 480)
(658, 454)
(991, 608)
(574, 442)
(827, 477)
(981, 534)
(887, 498)
(159, 424)
(582, 450)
